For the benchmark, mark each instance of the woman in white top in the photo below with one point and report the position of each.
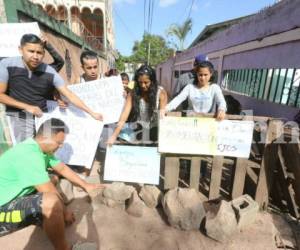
(142, 104)
(203, 96)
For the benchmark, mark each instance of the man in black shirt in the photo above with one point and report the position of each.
(25, 85)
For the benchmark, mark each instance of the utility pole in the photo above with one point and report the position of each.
(148, 57)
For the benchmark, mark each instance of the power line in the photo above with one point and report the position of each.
(191, 9)
(148, 15)
(151, 17)
(124, 24)
(145, 2)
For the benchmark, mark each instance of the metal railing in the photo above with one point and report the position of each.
(275, 84)
(78, 27)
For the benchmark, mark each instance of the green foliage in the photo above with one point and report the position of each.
(180, 32)
(159, 50)
(120, 63)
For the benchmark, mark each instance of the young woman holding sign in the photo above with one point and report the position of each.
(204, 96)
(142, 105)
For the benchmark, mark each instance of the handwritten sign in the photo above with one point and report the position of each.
(104, 96)
(192, 135)
(84, 134)
(132, 164)
(5, 137)
(13, 32)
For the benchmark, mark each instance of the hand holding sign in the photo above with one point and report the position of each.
(192, 135)
(97, 116)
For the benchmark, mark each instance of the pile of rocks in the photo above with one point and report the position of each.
(184, 208)
(119, 195)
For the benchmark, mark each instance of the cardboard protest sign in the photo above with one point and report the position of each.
(194, 135)
(84, 134)
(12, 33)
(104, 96)
(132, 164)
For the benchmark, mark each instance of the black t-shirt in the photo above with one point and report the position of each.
(31, 87)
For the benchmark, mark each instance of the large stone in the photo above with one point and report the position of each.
(96, 197)
(221, 222)
(118, 191)
(245, 209)
(85, 246)
(135, 205)
(116, 194)
(97, 200)
(151, 195)
(95, 179)
(65, 188)
(113, 203)
(183, 208)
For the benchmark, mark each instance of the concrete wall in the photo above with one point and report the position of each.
(164, 75)
(262, 108)
(277, 56)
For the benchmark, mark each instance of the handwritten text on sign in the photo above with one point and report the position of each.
(104, 96)
(84, 133)
(12, 34)
(132, 164)
(192, 135)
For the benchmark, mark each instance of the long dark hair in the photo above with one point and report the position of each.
(205, 64)
(137, 92)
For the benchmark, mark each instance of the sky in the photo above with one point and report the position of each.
(129, 24)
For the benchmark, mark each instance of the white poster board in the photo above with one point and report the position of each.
(11, 34)
(132, 164)
(194, 135)
(84, 134)
(104, 96)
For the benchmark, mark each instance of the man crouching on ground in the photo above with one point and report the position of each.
(27, 194)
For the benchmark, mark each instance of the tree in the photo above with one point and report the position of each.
(157, 45)
(180, 32)
(120, 62)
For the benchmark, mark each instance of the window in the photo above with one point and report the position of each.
(274, 85)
